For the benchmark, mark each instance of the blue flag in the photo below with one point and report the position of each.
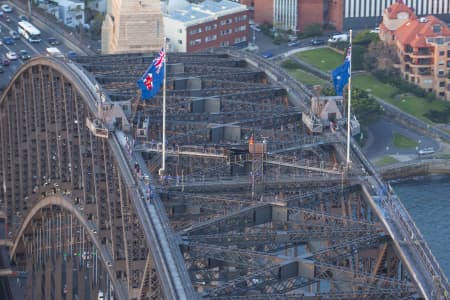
(150, 83)
(341, 74)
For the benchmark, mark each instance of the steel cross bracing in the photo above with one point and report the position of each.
(288, 231)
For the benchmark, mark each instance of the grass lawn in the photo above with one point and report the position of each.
(307, 78)
(324, 59)
(408, 103)
(402, 141)
(384, 161)
(370, 84)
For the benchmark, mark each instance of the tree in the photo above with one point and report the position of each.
(380, 56)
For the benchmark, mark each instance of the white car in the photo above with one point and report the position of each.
(11, 55)
(375, 30)
(6, 8)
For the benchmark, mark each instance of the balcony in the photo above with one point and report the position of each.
(423, 51)
(422, 61)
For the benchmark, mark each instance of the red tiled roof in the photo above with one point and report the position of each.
(398, 7)
(414, 32)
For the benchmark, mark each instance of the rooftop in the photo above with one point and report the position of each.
(208, 9)
(415, 31)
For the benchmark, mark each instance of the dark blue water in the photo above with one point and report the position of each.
(428, 202)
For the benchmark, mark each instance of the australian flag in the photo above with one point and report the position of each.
(150, 83)
(341, 74)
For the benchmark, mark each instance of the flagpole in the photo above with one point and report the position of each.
(349, 101)
(163, 166)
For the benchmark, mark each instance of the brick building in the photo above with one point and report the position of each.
(423, 46)
(288, 14)
(205, 25)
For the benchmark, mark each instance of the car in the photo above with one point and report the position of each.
(1, 69)
(255, 28)
(267, 54)
(11, 55)
(71, 54)
(14, 34)
(7, 40)
(375, 30)
(23, 18)
(317, 42)
(53, 41)
(100, 296)
(24, 55)
(293, 43)
(4, 60)
(6, 8)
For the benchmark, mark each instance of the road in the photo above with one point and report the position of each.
(380, 140)
(19, 44)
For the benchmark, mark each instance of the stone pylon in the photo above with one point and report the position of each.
(132, 26)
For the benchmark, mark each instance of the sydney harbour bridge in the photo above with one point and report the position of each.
(250, 206)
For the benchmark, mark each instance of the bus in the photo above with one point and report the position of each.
(29, 32)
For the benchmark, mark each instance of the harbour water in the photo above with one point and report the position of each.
(428, 202)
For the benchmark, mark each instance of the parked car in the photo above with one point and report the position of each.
(23, 18)
(1, 69)
(293, 43)
(375, 30)
(24, 54)
(11, 55)
(6, 8)
(14, 34)
(267, 54)
(53, 41)
(317, 42)
(7, 40)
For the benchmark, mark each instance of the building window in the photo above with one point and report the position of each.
(436, 28)
(442, 84)
(224, 44)
(240, 40)
(211, 38)
(208, 28)
(195, 31)
(240, 18)
(227, 21)
(226, 32)
(240, 28)
(180, 42)
(180, 30)
(441, 53)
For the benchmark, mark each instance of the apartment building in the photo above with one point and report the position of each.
(423, 46)
(358, 14)
(208, 24)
